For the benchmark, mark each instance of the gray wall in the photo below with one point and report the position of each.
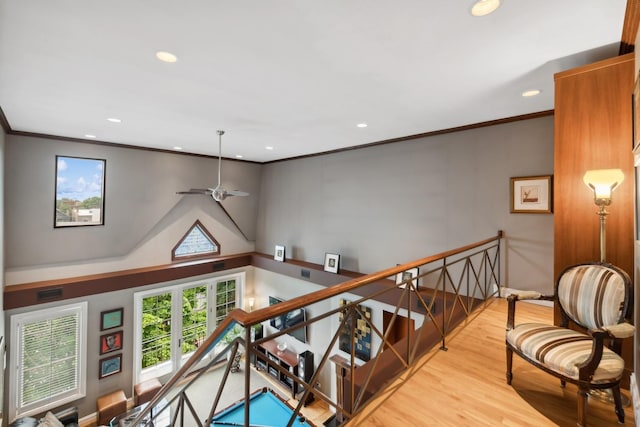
(394, 203)
(141, 205)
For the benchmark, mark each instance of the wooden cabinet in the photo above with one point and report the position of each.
(592, 121)
(269, 358)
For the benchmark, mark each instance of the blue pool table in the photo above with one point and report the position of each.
(266, 409)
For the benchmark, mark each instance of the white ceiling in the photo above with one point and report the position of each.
(297, 75)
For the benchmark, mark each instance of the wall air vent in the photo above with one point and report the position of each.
(48, 294)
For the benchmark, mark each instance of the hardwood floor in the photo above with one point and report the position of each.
(466, 386)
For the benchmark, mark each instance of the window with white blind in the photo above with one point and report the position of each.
(48, 353)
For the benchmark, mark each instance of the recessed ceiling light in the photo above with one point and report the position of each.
(268, 147)
(484, 7)
(532, 92)
(239, 156)
(89, 136)
(177, 148)
(362, 125)
(114, 120)
(166, 56)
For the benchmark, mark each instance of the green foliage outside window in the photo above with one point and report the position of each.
(156, 320)
(66, 206)
(156, 330)
(194, 318)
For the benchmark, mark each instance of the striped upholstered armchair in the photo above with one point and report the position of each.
(596, 297)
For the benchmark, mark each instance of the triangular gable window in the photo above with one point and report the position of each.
(197, 243)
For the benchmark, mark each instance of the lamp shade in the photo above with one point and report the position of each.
(603, 181)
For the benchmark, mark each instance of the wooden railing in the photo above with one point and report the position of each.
(449, 287)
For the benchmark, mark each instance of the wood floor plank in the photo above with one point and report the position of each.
(466, 385)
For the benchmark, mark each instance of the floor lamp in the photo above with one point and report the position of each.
(603, 182)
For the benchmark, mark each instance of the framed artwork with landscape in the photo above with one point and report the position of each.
(79, 198)
(532, 194)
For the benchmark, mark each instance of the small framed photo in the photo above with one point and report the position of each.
(111, 342)
(110, 366)
(331, 262)
(532, 194)
(278, 254)
(79, 197)
(408, 276)
(111, 319)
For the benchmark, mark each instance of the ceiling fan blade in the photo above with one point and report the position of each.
(236, 193)
(196, 191)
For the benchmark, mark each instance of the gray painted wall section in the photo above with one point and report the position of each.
(140, 191)
(395, 203)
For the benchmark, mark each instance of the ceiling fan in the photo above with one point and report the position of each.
(219, 193)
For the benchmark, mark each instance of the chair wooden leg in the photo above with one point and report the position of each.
(583, 394)
(509, 364)
(618, 401)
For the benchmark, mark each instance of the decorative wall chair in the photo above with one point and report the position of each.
(596, 297)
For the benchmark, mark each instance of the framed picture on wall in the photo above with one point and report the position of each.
(532, 194)
(278, 253)
(331, 262)
(111, 342)
(110, 366)
(406, 277)
(79, 197)
(111, 319)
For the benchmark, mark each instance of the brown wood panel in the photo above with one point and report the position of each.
(27, 294)
(593, 131)
(630, 27)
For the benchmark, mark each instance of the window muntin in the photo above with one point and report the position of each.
(225, 299)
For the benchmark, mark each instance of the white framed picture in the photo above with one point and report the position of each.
(278, 253)
(408, 276)
(331, 262)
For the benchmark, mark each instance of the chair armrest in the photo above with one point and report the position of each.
(621, 330)
(521, 296)
(530, 295)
